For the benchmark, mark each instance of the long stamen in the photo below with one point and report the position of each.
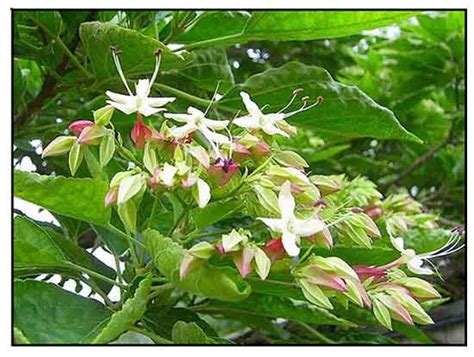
(157, 68)
(304, 108)
(449, 247)
(115, 56)
(213, 99)
(296, 92)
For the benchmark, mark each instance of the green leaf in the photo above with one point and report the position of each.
(345, 114)
(189, 333)
(313, 25)
(277, 307)
(213, 212)
(47, 314)
(161, 320)
(208, 68)
(39, 251)
(132, 311)
(214, 24)
(222, 283)
(98, 37)
(82, 199)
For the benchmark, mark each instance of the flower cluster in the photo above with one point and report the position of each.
(195, 159)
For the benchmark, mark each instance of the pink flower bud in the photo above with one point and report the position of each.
(220, 248)
(222, 171)
(140, 133)
(274, 249)
(77, 126)
(364, 272)
(259, 150)
(111, 196)
(154, 181)
(91, 135)
(243, 261)
(185, 266)
(374, 212)
(329, 280)
(239, 151)
(324, 239)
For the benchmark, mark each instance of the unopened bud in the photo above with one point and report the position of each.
(140, 133)
(59, 146)
(260, 150)
(92, 135)
(111, 196)
(78, 125)
(274, 249)
(222, 171)
(290, 159)
(103, 115)
(202, 250)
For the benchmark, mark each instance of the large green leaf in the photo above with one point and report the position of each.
(34, 250)
(286, 26)
(277, 307)
(360, 255)
(346, 112)
(137, 55)
(208, 68)
(37, 250)
(161, 320)
(213, 212)
(189, 333)
(214, 24)
(47, 314)
(131, 312)
(221, 283)
(82, 199)
(313, 25)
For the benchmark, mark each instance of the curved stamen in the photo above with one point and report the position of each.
(213, 99)
(155, 72)
(304, 108)
(296, 92)
(115, 56)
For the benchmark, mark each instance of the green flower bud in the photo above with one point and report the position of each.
(106, 149)
(75, 158)
(103, 115)
(291, 159)
(202, 250)
(128, 215)
(59, 146)
(149, 158)
(262, 263)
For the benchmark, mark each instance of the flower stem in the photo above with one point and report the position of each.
(94, 274)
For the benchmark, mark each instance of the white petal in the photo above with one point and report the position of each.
(204, 193)
(159, 101)
(398, 244)
(415, 266)
(195, 112)
(276, 117)
(214, 137)
(252, 108)
(307, 227)
(201, 155)
(289, 243)
(271, 129)
(215, 124)
(248, 122)
(120, 98)
(182, 131)
(182, 118)
(286, 202)
(167, 174)
(128, 108)
(146, 110)
(274, 224)
(142, 88)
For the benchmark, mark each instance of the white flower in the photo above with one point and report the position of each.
(257, 120)
(415, 261)
(167, 174)
(291, 227)
(195, 120)
(140, 102)
(203, 193)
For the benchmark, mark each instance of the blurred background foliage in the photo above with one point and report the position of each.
(415, 68)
